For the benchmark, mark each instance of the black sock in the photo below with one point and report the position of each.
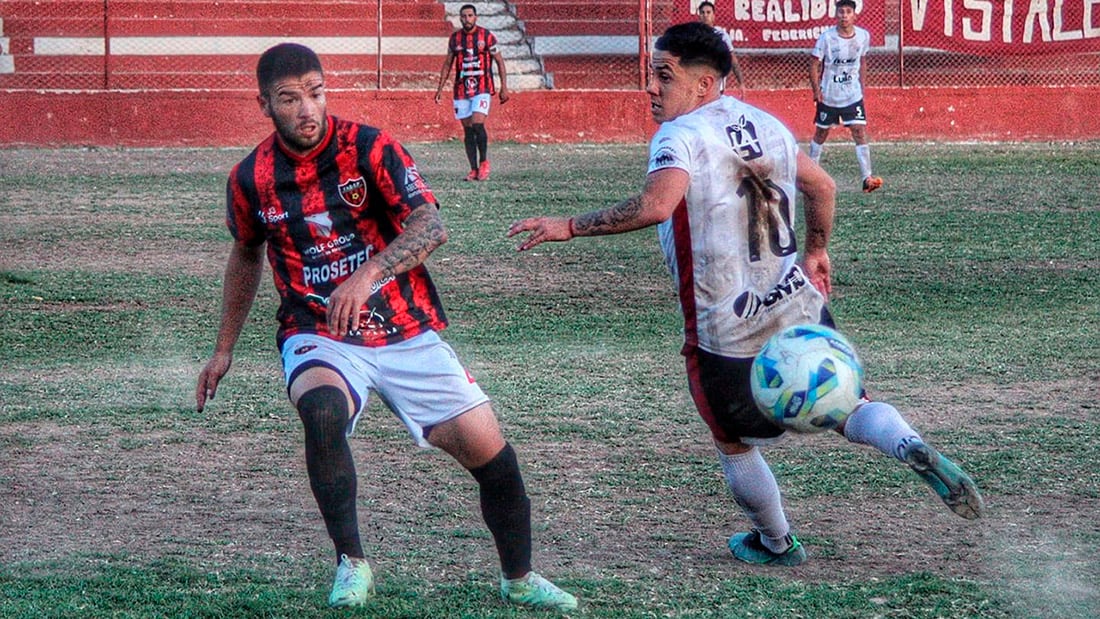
(471, 146)
(482, 138)
(506, 510)
(324, 414)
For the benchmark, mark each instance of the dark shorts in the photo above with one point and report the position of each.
(722, 391)
(826, 116)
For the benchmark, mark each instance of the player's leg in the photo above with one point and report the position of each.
(481, 105)
(856, 120)
(464, 115)
(456, 416)
(817, 144)
(475, 441)
(881, 426)
(719, 386)
(325, 404)
(824, 118)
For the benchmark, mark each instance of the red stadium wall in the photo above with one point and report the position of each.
(232, 118)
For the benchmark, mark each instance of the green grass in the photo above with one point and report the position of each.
(969, 284)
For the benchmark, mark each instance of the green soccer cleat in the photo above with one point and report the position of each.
(747, 547)
(354, 583)
(536, 592)
(955, 487)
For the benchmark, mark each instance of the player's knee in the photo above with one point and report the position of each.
(323, 408)
(501, 474)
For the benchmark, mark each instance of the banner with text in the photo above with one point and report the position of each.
(783, 24)
(1003, 27)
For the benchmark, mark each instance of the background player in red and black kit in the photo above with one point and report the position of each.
(348, 222)
(472, 50)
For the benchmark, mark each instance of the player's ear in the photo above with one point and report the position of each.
(262, 100)
(707, 80)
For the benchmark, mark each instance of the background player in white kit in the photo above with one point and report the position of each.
(838, 87)
(721, 190)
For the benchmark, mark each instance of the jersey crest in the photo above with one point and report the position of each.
(354, 192)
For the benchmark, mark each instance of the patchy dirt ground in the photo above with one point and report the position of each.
(221, 496)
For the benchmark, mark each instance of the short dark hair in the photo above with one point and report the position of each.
(696, 44)
(703, 4)
(468, 6)
(850, 3)
(285, 60)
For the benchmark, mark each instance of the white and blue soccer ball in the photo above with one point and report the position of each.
(807, 378)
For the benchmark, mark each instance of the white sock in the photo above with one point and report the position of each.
(815, 151)
(752, 483)
(881, 426)
(863, 153)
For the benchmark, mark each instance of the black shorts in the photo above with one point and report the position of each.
(826, 116)
(722, 391)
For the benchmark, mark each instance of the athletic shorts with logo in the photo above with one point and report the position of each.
(420, 380)
(826, 116)
(480, 104)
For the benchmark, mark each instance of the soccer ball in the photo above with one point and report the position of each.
(807, 378)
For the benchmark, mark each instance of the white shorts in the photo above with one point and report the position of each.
(420, 380)
(465, 108)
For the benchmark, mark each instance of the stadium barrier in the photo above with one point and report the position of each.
(156, 71)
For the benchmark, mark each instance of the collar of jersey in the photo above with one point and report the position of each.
(330, 121)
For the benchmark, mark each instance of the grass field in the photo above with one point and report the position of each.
(969, 284)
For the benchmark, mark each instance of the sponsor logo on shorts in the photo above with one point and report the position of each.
(354, 192)
(301, 350)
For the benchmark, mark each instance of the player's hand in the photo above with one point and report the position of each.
(819, 270)
(209, 378)
(347, 301)
(504, 96)
(542, 229)
(742, 96)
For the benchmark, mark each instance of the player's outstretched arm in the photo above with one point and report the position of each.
(819, 206)
(664, 189)
(242, 278)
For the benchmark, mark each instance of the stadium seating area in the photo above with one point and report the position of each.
(159, 44)
(189, 44)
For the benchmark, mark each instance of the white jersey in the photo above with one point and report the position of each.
(734, 291)
(841, 58)
(725, 37)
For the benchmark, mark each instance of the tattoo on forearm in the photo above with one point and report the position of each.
(609, 221)
(423, 233)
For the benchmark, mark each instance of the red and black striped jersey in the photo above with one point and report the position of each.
(473, 53)
(325, 214)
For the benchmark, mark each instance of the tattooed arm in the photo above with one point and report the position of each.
(819, 204)
(664, 189)
(423, 233)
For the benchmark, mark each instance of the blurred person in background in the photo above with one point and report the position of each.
(838, 88)
(707, 15)
(472, 50)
